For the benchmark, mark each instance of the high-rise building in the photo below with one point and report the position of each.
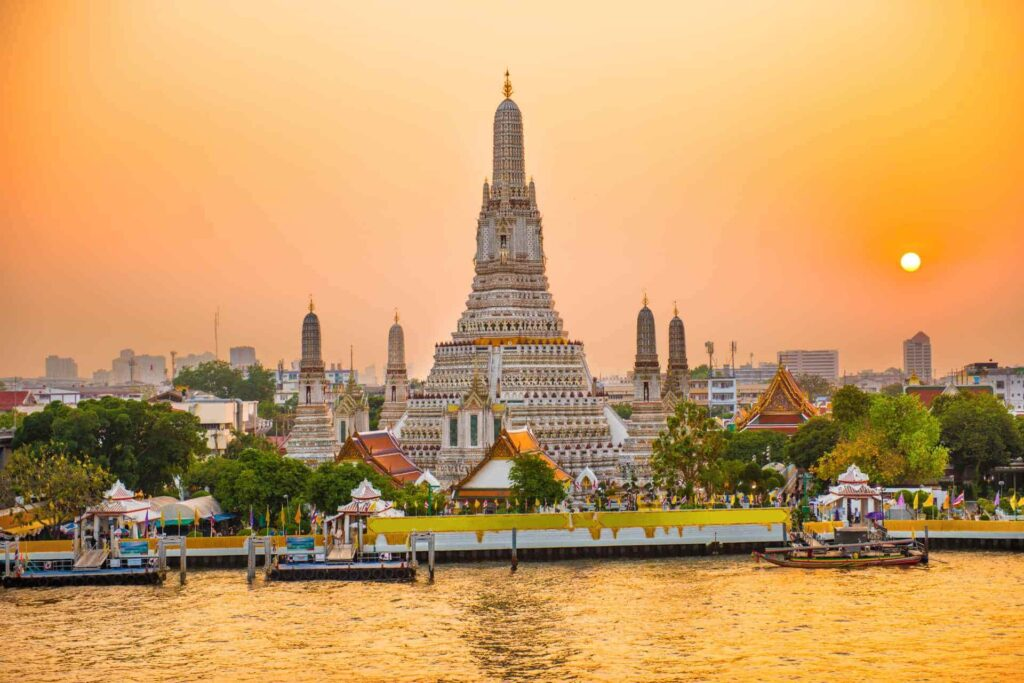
(132, 368)
(61, 368)
(242, 357)
(917, 357)
(823, 363)
(510, 362)
(192, 360)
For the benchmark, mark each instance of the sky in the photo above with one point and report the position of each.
(762, 164)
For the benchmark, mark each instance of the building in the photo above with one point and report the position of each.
(312, 437)
(351, 410)
(650, 405)
(47, 395)
(220, 418)
(1007, 383)
(873, 382)
(242, 357)
(917, 357)
(191, 360)
(677, 373)
(20, 401)
(510, 361)
(762, 373)
(61, 368)
(132, 368)
(396, 380)
(287, 381)
(783, 407)
(719, 393)
(369, 374)
(927, 393)
(823, 363)
(381, 451)
(488, 482)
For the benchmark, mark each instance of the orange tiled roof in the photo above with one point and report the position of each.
(782, 407)
(381, 451)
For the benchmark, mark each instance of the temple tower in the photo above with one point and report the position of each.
(646, 368)
(396, 380)
(677, 383)
(312, 437)
(352, 410)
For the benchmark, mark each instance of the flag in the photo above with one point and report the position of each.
(916, 494)
(251, 520)
(929, 501)
(1013, 501)
(282, 519)
(298, 514)
(996, 501)
(901, 502)
(959, 499)
(146, 528)
(161, 520)
(179, 521)
(267, 518)
(945, 502)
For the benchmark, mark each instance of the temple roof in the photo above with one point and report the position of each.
(491, 474)
(782, 407)
(381, 451)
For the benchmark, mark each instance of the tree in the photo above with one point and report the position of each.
(220, 379)
(812, 440)
(814, 385)
(145, 445)
(331, 484)
(700, 372)
(740, 476)
(376, 403)
(979, 433)
(533, 479)
(685, 453)
(623, 410)
(850, 407)
(60, 485)
(244, 440)
(752, 445)
(255, 479)
(896, 442)
(894, 389)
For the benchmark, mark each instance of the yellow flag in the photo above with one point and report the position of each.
(298, 514)
(929, 501)
(945, 501)
(1013, 502)
(282, 518)
(916, 493)
(195, 516)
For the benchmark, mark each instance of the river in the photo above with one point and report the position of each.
(603, 620)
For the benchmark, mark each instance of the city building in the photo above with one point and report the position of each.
(220, 418)
(762, 373)
(927, 393)
(917, 357)
(242, 357)
(510, 361)
(132, 368)
(873, 382)
(20, 401)
(783, 406)
(312, 438)
(824, 363)
(719, 393)
(190, 360)
(61, 368)
(369, 375)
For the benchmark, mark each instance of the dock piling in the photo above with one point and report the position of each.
(515, 556)
(430, 558)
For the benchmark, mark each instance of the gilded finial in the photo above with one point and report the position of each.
(396, 315)
(675, 309)
(645, 298)
(507, 90)
(310, 303)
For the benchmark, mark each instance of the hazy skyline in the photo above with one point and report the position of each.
(765, 165)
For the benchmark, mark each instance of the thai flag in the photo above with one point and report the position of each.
(959, 499)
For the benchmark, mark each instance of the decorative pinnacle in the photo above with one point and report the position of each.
(675, 309)
(645, 298)
(310, 303)
(507, 90)
(396, 315)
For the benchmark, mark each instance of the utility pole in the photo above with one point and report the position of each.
(216, 334)
(709, 346)
(732, 356)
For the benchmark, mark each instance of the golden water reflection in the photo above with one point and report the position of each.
(642, 620)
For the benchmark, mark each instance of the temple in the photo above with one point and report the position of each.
(312, 437)
(783, 406)
(651, 400)
(488, 482)
(510, 362)
(352, 409)
(381, 451)
(396, 381)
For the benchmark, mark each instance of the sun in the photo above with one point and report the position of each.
(910, 262)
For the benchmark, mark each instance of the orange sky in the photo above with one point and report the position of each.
(763, 164)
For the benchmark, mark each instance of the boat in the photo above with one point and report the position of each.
(883, 553)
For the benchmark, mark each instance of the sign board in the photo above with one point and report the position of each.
(134, 547)
(299, 543)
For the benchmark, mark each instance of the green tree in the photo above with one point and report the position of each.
(220, 379)
(623, 410)
(533, 479)
(850, 408)
(979, 433)
(376, 403)
(144, 445)
(254, 479)
(684, 455)
(894, 389)
(60, 485)
(331, 484)
(700, 372)
(738, 476)
(245, 440)
(897, 442)
(812, 440)
(814, 385)
(753, 445)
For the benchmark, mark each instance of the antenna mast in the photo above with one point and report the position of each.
(216, 334)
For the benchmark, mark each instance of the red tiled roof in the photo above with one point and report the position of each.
(381, 451)
(9, 400)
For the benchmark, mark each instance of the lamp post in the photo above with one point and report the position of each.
(284, 520)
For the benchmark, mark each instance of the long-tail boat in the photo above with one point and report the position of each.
(884, 553)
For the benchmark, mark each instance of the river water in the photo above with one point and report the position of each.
(605, 620)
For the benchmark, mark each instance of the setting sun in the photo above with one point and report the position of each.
(910, 262)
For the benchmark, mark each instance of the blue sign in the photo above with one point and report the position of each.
(299, 543)
(134, 547)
